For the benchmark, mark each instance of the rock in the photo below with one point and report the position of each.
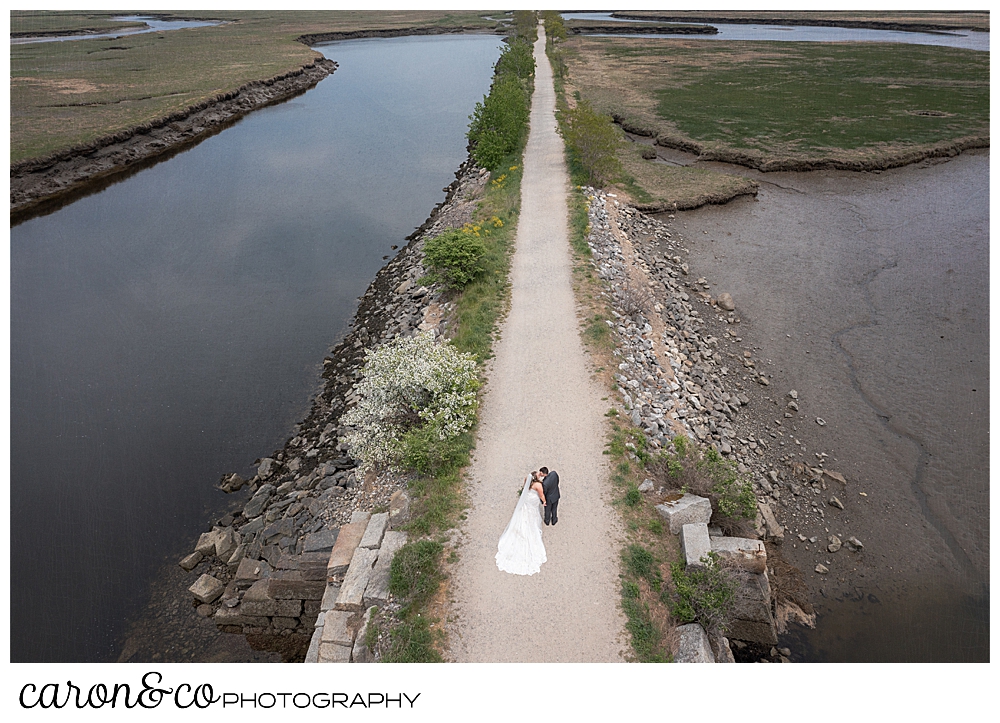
(399, 508)
(321, 541)
(854, 543)
(231, 482)
(694, 646)
(206, 543)
(377, 592)
(646, 486)
(793, 406)
(822, 569)
(207, 589)
(250, 571)
(361, 653)
(265, 468)
(343, 549)
(336, 628)
(276, 530)
(191, 561)
(205, 611)
(742, 551)
(793, 394)
(834, 502)
(695, 544)
(225, 543)
(404, 287)
(680, 510)
(775, 531)
(835, 476)
(834, 545)
(720, 649)
(258, 502)
(258, 601)
(820, 421)
(329, 596)
(725, 301)
(376, 528)
(352, 590)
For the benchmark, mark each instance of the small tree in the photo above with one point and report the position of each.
(410, 383)
(594, 141)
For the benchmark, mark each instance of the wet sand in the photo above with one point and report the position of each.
(868, 293)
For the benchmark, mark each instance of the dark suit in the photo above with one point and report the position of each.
(550, 486)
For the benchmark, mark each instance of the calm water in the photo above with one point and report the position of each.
(805, 33)
(152, 24)
(171, 328)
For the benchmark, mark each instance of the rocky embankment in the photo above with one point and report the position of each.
(684, 370)
(40, 182)
(304, 494)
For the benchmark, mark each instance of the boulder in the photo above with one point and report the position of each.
(265, 468)
(694, 646)
(225, 543)
(258, 502)
(399, 508)
(250, 571)
(774, 531)
(207, 589)
(206, 543)
(725, 301)
(258, 601)
(679, 510)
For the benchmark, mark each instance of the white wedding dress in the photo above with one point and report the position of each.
(520, 551)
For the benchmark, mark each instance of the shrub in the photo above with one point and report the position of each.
(498, 123)
(593, 141)
(733, 493)
(517, 59)
(704, 595)
(633, 496)
(407, 383)
(454, 257)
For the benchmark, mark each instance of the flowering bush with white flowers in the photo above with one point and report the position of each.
(409, 383)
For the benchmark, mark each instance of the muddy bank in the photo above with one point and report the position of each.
(307, 487)
(314, 38)
(867, 294)
(37, 183)
(859, 161)
(815, 22)
(620, 29)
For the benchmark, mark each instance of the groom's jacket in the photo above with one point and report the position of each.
(550, 486)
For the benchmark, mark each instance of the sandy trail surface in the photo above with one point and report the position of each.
(541, 408)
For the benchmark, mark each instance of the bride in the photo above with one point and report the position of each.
(520, 550)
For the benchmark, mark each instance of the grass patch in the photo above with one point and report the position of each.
(767, 102)
(69, 93)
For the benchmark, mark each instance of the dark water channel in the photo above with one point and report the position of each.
(171, 328)
(869, 295)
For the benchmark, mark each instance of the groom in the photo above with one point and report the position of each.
(550, 486)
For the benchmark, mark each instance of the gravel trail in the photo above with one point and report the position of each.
(542, 407)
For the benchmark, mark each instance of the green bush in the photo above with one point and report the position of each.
(499, 122)
(704, 595)
(526, 24)
(454, 257)
(425, 451)
(733, 493)
(517, 59)
(633, 496)
(593, 141)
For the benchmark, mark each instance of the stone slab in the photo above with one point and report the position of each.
(225, 542)
(695, 544)
(399, 508)
(206, 543)
(752, 631)
(694, 646)
(250, 571)
(336, 628)
(376, 528)
(312, 655)
(236, 616)
(333, 653)
(206, 589)
(257, 599)
(748, 554)
(377, 592)
(343, 550)
(360, 516)
(352, 590)
(361, 653)
(283, 623)
(329, 596)
(297, 589)
(685, 510)
(322, 541)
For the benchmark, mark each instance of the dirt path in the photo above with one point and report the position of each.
(541, 408)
